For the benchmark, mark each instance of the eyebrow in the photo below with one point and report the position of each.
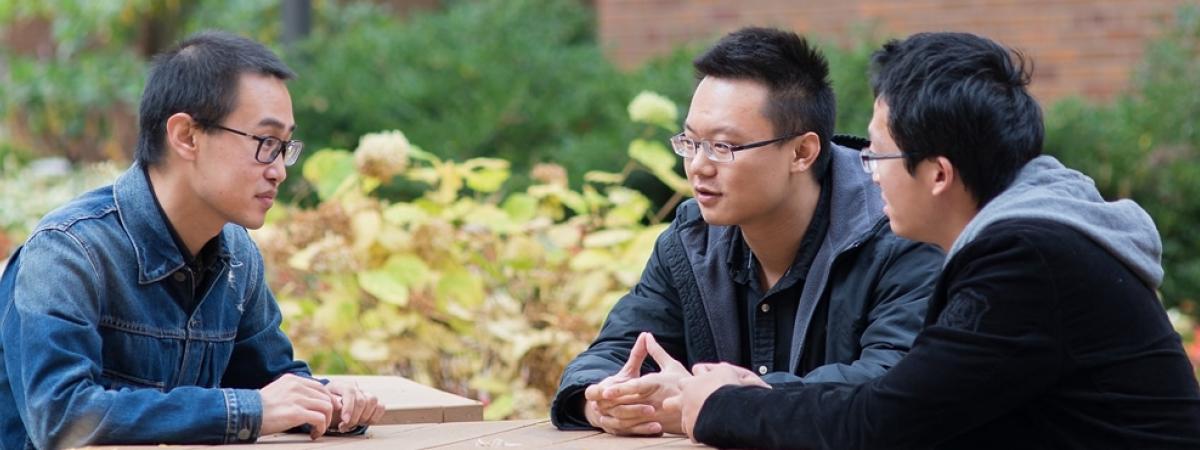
(272, 122)
(733, 134)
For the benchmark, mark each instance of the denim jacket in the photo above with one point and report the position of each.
(97, 348)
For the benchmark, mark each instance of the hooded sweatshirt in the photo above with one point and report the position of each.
(1045, 189)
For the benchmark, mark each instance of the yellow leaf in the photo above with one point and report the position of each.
(607, 238)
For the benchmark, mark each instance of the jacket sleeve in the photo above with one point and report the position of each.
(992, 349)
(261, 351)
(652, 305)
(907, 273)
(53, 359)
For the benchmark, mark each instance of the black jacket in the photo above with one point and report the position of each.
(1036, 338)
(874, 285)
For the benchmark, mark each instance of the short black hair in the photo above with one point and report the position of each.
(800, 97)
(963, 97)
(198, 77)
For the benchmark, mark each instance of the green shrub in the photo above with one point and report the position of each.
(1146, 146)
(468, 287)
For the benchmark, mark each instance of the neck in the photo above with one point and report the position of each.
(185, 213)
(953, 222)
(775, 239)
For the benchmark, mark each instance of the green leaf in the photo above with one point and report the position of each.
(653, 155)
(499, 408)
(405, 213)
(596, 176)
(328, 169)
(520, 207)
(391, 283)
(607, 238)
(460, 287)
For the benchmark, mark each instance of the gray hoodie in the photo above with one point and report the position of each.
(1045, 189)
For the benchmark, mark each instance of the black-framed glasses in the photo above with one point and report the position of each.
(870, 159)
(273, 146)
(716, 151)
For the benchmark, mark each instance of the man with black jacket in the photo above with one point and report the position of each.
(784, 262)
(1044, 330)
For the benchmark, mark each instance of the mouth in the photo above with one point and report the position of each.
(706, 195)
(266, 198)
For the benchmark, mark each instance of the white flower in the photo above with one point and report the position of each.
(653, 109)
(382, 155)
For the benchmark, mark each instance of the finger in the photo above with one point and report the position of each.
(664, 360)
(640, 387)
(632, 412)
(316, 422)
(702, 368)
(637, 355)
(625, 427)
(594, 392)
(606, 404)
(646, 429)
(377, 415)
(363, 404)
(672, 405)
(350, 401)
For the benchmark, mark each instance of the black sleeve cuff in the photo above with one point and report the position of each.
(731, 418)
(566, 412)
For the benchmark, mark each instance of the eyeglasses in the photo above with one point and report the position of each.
(273, 146)
(870, 159)
(716, 151)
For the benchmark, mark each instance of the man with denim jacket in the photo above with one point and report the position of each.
(138, 312)
(783, 264)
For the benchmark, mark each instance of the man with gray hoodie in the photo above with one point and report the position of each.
(1044, 329)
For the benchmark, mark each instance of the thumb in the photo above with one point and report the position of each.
(633, 366)
(660, 355)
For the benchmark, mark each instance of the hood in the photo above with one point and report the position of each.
(1045, 189)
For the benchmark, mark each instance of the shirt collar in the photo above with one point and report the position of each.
(744, 267)
(158, 252)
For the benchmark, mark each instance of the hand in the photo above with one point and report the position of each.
(291, 401)
(630, 404)
(354, 407)
(706, 379)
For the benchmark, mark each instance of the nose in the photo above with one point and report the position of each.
(276, 171)
(699, 165)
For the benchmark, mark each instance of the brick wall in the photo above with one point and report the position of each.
(1085, 47)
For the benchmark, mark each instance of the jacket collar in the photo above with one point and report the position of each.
(855, 206)
(147, 228)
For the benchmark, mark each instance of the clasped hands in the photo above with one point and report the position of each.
(669, 401)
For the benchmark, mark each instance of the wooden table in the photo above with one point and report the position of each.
(407, 401)
(513, 434)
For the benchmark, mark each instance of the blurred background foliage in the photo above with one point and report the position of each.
(528, 126)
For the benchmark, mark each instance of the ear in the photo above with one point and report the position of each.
(805, 150)
(182, 134)
(941, 175)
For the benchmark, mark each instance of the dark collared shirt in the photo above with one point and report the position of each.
(769, 319)
(190, 282)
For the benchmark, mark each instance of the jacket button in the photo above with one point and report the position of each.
(180, 277)
(765, 308)
(762, 370)
(244, 434)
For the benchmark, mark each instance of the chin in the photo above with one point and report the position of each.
(715, 218)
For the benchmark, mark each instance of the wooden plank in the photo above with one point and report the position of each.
(302, 442)
(407, 401)
(443, 434)
(608, 441)
(540, 434)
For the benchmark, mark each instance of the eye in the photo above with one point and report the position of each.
(721, 147)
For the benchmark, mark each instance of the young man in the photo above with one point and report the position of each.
(1044, 330)
(138, 313)
(783, 263)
